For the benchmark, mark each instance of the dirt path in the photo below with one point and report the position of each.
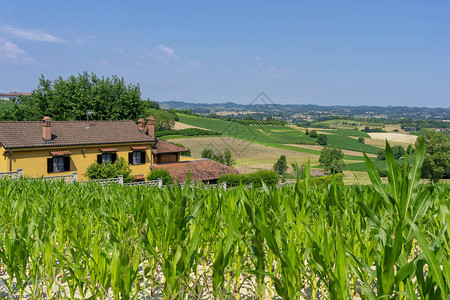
(179, 126)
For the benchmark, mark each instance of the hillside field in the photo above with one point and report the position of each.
(277, 136)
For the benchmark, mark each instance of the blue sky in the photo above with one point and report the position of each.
(324, 52)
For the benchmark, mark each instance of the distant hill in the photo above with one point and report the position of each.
(312, 110)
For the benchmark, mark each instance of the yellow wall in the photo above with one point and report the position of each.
(34, 161)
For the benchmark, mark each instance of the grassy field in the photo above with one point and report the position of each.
(249, 156)
(361, 166)
(276, 136)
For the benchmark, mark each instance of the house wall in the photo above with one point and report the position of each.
(166, 158)
(34, 162)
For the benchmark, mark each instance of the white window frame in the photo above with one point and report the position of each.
(137, 158)
(58, 164)
(106, 157)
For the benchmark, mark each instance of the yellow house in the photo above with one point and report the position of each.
(49, 148)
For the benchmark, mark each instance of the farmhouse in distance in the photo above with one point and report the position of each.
(49, 148)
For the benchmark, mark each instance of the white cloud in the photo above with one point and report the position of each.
(259, 61)
(167, 52)
(194, 63)
(11, 51)
(81, 39)
(271, 71)
(30, 34)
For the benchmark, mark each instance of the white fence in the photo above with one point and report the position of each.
(65, 178)
(119, 180)
(12, 175)
(74, 176)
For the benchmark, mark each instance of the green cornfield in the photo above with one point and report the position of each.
(72, 241)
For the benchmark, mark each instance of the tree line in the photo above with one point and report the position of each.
(108, 98)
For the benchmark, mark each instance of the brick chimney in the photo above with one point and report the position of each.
(47, 128)
(141, 124)
(151, 126)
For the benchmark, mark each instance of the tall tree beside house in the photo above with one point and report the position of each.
(164, 120)
(69, 99)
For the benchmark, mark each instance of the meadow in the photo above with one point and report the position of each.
(278, 136)
(302, 241)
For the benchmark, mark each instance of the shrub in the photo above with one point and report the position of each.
(321, 139)
(110, 170)
(270, 178)
(361, 140)
(280, 166)
(160, 173)
(207, 153)
(324, 181)
(224, 157)
(313, 133)
(230, 179)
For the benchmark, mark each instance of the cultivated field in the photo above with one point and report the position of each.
(249, 156)
(310, 240)
(394, 137)
(319, 148)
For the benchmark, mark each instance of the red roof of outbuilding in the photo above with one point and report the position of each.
(204, 169)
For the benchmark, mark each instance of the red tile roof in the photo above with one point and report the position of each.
(108, 149)
(28, 134)
(204, 169)
(165, 147)
(15, 94)
(139, 177)
(139, 147)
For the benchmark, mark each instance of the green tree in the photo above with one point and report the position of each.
(321, 139)
(399, 151)
(280, 166)
(381, 154)
(313, 133)
(110, 170)
(361, 140)
(69, 99)
(207, 153)
(224, 157)
(436, 163)
(164, 120)
(307, 131)
(332, 159)
(229, 161)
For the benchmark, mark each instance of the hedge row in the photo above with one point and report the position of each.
(270, 178)
(262, 123)
(187, 132)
